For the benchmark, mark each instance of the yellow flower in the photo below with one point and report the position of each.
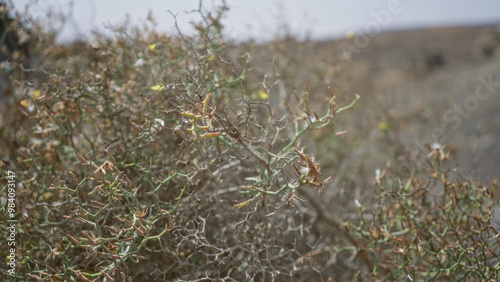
(263, 95)
(152, 46)
(28, 105)
(36, 93)
(350, 34)
(158, 87)
(24, 103)
(383, 126)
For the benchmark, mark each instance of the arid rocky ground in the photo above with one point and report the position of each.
(422, 83)
(436, 73)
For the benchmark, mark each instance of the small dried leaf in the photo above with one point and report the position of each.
(170, 222)
(247, 202)
(243, 204)
(82, 159)
(341, 133)
(61, 245)
(210, 134)
(129, 183)
(301, 154)
(98, 203)
(74, 240)
(73, 176)
(316, 115)
(110, 157)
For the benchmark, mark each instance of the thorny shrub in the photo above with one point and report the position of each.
(143, 157)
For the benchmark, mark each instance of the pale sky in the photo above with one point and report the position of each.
(264, 19)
